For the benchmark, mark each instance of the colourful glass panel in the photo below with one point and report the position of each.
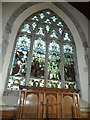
(69, 67)
(54, 84)
(14, 82)
(19, 63)
(37, 68)
(42, 25)
(54, 61)
(72, 85)
(36, 82)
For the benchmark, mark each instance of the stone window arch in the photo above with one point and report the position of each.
(45, 53)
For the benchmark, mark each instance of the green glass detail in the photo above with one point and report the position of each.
(69, 67)
(54, 61)
(19, 63)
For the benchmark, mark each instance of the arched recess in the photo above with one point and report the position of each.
(69, 23)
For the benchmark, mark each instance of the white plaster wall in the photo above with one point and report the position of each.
(83, 73)
(7, 11)
(0, 53)
(83, 21)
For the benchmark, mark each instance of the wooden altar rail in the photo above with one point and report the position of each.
(48, 103)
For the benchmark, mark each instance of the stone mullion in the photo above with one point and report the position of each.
(46, 65)
(29, 60)
(62, 68)
(62, 62)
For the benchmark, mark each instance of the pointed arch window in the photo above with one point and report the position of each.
(44, 53)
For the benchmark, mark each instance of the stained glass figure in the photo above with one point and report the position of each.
(54, 61)
(69, 67)
(37, 69)
(19, 64)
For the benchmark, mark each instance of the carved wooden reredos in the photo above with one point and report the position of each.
(48, 103)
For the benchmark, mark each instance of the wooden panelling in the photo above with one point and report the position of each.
(85, 114)
(48, 103)
(8, 114)
(11, 114)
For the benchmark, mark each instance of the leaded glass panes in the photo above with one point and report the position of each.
(69, 67)
(37, 69)
(42, 15)
(14, 82)
(60, 24)
(54, 34)
(20, 56)
(66, 37)
(72, 85)
(53, 53)
(54, 84)
(60, 30)
(19, 63)
(36, 82)
(40, 31)
(54, 18)
(26, 28)
(35, 18)
(47, 21)
(34, 25)
(47, 28)
(54, 61)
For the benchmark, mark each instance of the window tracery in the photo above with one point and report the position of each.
(51, 40)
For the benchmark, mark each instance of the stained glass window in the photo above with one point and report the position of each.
(44, 45)
(54, 61)
(19, 63)
(38, 63)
